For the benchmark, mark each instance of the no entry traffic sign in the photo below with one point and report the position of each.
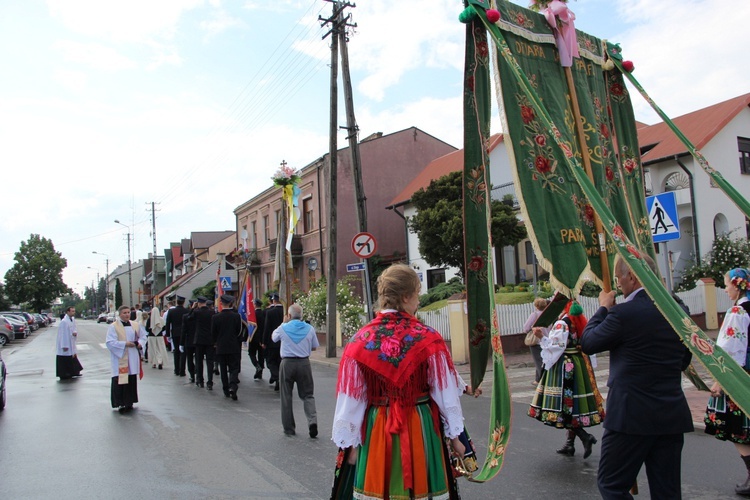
(363, 245)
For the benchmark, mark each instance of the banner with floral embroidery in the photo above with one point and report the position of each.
(547, 110)
(484, 333)
(560, 218)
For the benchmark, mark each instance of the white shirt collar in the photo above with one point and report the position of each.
(632, 294)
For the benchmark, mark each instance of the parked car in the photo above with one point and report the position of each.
(18, 317)
(51, 317)
(40, 320)
(28, 317)
(6, 331)
(3, 374)
(102, 318)
(20, 327)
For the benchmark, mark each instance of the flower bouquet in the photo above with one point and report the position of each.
(285, 176)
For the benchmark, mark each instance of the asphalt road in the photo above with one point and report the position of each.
(62, 440)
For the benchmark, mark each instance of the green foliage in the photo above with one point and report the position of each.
(726, 254)
(442, 291)
(4, 302)
(590, 289)
(439, 222)
(348, 304)
(208, 290)
(118, 293)
(36, 277)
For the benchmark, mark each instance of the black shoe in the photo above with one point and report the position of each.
(210, 386)
(313, 430)
(199, 384)
(290, 433)
(588, 442)
(226, 394)
(192, 380)
(216, 372)
(181, 375)
(276, 387)
(160, 367)
(233, 395)
(121, 409)
(176, 374)
(271, 380)
(258, 375)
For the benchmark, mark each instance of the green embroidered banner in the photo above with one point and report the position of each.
(525, 98)
(614, 52)
(482, 317)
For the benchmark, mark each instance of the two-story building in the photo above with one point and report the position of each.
(722, 133)
(388, 163)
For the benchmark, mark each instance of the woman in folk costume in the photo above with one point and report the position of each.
(723, 417)
(125, 341)
(567, 396)
(397, 398)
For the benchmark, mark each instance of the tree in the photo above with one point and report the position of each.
(4, 302)
(118, 293)
(440, 227)
(36, 277)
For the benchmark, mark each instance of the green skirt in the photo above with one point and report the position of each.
(567, 396)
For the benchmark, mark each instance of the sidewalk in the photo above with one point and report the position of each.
(517, 360)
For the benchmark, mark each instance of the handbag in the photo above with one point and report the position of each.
(531, 339)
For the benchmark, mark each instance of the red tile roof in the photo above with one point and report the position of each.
(452, 162)
(699, 127)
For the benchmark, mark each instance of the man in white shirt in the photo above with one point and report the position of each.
(68, 365)
(298, 339)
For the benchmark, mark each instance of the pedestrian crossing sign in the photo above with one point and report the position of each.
(662, 216)
(226, 283)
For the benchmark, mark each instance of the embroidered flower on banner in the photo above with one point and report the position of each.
(476, 186)
(482, 49)
(609, 173)
(705, 346)
(479, 333)
(527, 114)
(497, 344)
(478, 264)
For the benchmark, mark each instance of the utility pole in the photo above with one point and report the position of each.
(153, 255)
(335, 19)
(360, 200)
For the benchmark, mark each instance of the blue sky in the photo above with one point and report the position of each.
(106, 106)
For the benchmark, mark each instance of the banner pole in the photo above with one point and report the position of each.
(583, 147)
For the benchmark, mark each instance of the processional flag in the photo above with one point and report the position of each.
(559, 202)
(247, 308)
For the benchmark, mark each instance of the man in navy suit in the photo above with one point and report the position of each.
(647, 413)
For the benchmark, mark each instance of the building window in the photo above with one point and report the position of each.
(268, 282)
(254, 235)
(435, 277)
(266, 229)
(743, 145)
(308, 215)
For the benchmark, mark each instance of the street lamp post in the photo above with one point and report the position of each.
(107, 279)
(130, 270)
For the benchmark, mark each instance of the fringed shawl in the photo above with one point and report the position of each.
(386, 364)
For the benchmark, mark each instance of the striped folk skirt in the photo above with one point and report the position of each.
(567, 396)
(379, 474)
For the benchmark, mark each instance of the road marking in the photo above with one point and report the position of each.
(83, 347)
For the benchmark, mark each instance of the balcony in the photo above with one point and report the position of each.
(296, 247)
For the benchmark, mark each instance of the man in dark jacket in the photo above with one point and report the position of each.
(187, 342)
(647, 413)
(204, 344)
(174, 333)
(273, 318)
(228, 333)
(254, 349)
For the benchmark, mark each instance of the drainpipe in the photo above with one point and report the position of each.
(406, 225)
(692, 208)
(320, 223)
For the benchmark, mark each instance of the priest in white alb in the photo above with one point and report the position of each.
(126, 340)
(67, 363)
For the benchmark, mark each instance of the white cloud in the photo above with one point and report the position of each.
(71, 80)
(219, 22)
(93, 55)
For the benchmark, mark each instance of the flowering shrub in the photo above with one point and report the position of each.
(726, 254)
(349, 306)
